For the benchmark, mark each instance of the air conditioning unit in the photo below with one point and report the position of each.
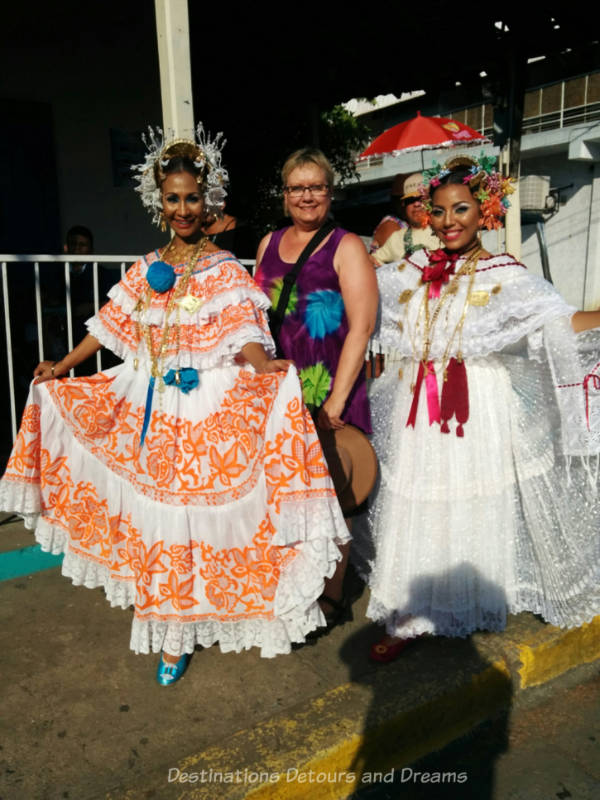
(534, 191)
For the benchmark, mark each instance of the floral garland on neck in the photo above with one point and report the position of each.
(491, 187)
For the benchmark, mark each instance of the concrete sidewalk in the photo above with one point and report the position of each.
(83, 718)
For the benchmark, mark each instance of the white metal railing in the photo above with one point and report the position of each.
(566, 115)
(36, 264)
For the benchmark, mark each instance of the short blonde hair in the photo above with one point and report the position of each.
(307, 155)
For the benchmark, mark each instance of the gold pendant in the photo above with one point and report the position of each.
(190, 303)
(479, 298)
(405, 296)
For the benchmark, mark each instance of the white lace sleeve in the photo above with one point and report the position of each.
(575, 365)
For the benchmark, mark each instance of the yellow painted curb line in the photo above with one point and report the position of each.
(555, 651)
(323, 752)
(367, 758)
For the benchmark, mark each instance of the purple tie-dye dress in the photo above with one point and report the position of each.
(315, 325)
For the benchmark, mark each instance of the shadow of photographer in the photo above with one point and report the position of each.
(438, 690)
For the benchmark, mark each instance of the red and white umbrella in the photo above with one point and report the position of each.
(423, 133)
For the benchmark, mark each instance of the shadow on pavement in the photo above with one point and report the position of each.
(436, 691)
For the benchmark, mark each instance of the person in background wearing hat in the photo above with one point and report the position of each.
(402, 242)
(391, 222)
(417, 235)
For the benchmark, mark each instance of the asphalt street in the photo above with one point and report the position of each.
(546, 749)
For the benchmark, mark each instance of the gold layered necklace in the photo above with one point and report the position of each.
(427, 319)
(143, 330)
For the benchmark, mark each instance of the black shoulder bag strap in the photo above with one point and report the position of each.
(277, 313)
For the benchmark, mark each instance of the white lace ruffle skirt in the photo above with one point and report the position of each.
(464, 530)
(221, 528)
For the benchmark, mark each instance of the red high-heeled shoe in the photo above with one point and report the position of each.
(385, 653)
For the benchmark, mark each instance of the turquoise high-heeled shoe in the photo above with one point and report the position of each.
(167, 673)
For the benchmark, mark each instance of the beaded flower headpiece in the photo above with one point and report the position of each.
(491, 187)
(202, 150)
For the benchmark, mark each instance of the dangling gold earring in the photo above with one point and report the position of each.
(163, 223)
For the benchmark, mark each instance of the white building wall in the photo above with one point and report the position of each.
(593, 244)
(572, 234)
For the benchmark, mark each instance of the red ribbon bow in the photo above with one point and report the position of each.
(455, 395)
(442, 266)
(427, 373)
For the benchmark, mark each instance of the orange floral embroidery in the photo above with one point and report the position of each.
(226, 466)
(304, 462)
(24, 461)
(144, 562)
(296, 413)
(25, 455)
(145, 599)
(205, 284)
(176, 463)
(178, 593)
(30, 422)
(120, 530)
(288, 459)
(160, 451)
(118, 324)
(181, 557)
(74, 393)
(244, 578)
(88, 516)
(53, 473)
(218, 584)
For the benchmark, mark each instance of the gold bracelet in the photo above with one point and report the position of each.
(52, 368)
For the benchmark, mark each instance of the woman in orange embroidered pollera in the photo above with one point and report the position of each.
(188, 481)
